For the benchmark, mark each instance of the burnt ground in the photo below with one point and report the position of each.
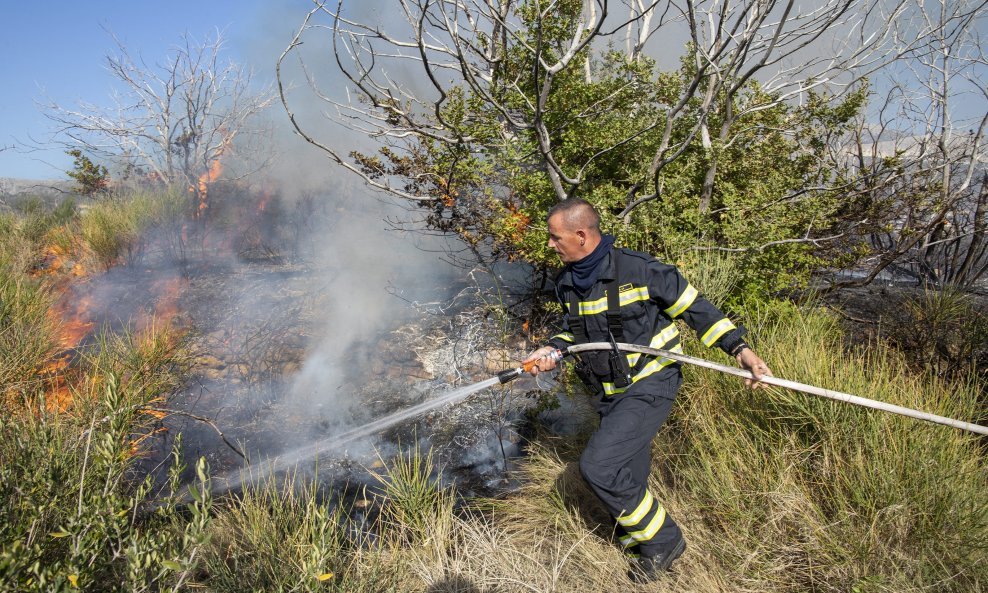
(941, 332)
(867, 312)
(258, 326)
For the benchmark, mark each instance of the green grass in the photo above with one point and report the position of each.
(115, 228)
(27, 338)
(806, 493)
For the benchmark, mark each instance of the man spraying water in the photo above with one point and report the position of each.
(618, 295)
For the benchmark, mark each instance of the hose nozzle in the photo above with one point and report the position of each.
(510, 374)
(526, 367)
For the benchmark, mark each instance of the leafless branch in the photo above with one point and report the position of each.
(202, 419)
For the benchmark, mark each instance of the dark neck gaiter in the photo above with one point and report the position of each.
(586, 270)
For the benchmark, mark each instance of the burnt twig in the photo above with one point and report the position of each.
(205, 420)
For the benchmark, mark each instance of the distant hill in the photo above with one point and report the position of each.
(13, 190)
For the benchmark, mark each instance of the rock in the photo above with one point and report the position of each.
(211, 362)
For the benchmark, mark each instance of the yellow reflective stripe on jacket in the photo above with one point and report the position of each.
(624, 298)
(649, 369)
(637, 537)
(665, 336)
(716, 331)
(638, 513)
(683, 302)
(564, 336)
(662, 338)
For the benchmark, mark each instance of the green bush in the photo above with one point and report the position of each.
(70, 510)
(71, 518)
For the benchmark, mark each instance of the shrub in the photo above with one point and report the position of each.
(70, 512)
(941, 331)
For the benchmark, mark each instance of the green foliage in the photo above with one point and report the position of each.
(601, 115)
(70, 514)
(91, 179)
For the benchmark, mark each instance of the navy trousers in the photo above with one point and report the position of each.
(617, 462)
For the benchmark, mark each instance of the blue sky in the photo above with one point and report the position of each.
(57, 49)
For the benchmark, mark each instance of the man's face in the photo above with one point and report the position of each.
(568, 243)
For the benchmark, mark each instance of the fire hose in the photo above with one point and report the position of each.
(510, 374)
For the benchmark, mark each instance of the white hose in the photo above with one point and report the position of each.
(811, 389)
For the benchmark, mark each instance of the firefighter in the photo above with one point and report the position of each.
(614, 295)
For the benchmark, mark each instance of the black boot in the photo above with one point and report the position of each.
(649, 568)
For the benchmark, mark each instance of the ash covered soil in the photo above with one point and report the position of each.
(271, 375)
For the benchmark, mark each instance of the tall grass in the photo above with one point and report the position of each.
(27, 338)
(283, 536)
(115, 228)
(802, 493)
(714, 274)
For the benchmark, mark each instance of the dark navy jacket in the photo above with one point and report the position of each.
(652, 296)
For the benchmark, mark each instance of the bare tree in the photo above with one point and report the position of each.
(171, 120)
(916, 165)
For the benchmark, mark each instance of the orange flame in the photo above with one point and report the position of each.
(167, 292)
(74, 317)
(74, 320)
(517, 221)
(214, 172)
(71, 318)
(266, 195)
(54, 261)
